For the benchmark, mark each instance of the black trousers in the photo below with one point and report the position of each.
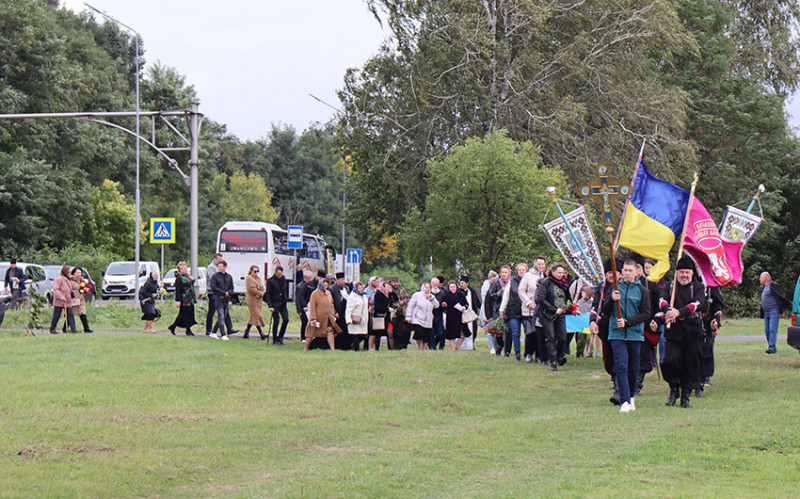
(531, 341)
(707, 357)
(303, 324)
(57, 315)
(646, 357)
(681, 366)
(279, 316)
(555, 336)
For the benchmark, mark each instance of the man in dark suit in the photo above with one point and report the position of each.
(773, 303)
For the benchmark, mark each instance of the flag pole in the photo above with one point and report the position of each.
(683, 238)
(761, 189)
(625, 207)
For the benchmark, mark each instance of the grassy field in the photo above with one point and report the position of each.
(109, 415)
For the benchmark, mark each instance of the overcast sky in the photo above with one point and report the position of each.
(253, 62)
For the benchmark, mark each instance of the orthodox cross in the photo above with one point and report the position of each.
(605, 188)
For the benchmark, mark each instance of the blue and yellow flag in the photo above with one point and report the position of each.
(653, 219)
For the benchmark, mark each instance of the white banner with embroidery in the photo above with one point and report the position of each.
(738, 226)
(575, 241)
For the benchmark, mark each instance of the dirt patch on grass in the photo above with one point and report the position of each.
(318, 448)
(158, 419)
(44, 451)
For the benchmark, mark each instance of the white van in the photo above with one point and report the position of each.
(243, 244)
(119, 279)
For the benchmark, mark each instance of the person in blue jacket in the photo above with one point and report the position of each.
(626, 334)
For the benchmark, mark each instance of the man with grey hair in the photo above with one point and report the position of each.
(301, 300)
(773, 303)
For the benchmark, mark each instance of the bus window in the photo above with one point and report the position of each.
(312, 247)
(243, 241)
(281, 242)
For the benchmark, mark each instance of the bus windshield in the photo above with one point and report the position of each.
(243, 241)
(281, 242)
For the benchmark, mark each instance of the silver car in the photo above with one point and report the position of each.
(35, 279)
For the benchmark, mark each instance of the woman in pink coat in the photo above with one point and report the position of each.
(62, 300)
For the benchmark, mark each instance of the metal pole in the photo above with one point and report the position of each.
(344, 180)
(138, 204)
(194, 164)
(162, 256)
(138, 110)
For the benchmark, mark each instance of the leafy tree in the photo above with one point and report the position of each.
(39, 205)
(576, 78)
(486, 201)
(242, 197)
(113, 221)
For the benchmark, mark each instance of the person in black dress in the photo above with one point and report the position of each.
(455, 302)
(386, 302)
(184, 299)
(147, 299)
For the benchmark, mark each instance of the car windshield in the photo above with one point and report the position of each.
(3, 269)
(52, 271)
(121, 268)
(170, 274)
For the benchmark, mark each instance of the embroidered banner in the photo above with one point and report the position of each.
(581, 262)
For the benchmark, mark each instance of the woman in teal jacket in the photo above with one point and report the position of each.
(626, 334)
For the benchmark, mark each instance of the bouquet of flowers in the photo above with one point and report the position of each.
(569, 309)
(496, 327)
(84, 287)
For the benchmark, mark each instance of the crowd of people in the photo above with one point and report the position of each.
(640, 324)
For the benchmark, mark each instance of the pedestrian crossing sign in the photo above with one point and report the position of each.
(162, 231)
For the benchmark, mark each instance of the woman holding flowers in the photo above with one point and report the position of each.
(80, 288)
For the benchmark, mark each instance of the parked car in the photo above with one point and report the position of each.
(168, 282)
(35, 278)
(119, 279)
(52, 272)
(202, 281)
(793, 334)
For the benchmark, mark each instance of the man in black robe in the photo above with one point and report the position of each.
(684, 333)
(712, 321)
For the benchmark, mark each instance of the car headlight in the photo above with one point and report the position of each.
(105, 283)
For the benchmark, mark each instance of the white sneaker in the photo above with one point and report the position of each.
(625, 407)
(224, 337)
(528, 359)
(492, 351)
(214, 335)
(633, 405)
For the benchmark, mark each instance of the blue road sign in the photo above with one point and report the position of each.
(162, 230)
(295, 239)
(354, 255)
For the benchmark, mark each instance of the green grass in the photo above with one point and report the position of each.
(103, 416)
(122, 316)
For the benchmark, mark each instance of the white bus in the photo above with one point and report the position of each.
(243, 244)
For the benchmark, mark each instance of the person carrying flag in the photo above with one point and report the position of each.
(684, 333)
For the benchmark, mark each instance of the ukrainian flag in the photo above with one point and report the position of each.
(653, 219)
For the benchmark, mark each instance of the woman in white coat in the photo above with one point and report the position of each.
(357, 315)
(419, 312)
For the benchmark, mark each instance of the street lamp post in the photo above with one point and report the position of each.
(344, 177)
(137, 243)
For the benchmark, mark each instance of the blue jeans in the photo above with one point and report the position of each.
(490, 341)
(771, 329)
(514, 326)
(437, 335)
(626, 366)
